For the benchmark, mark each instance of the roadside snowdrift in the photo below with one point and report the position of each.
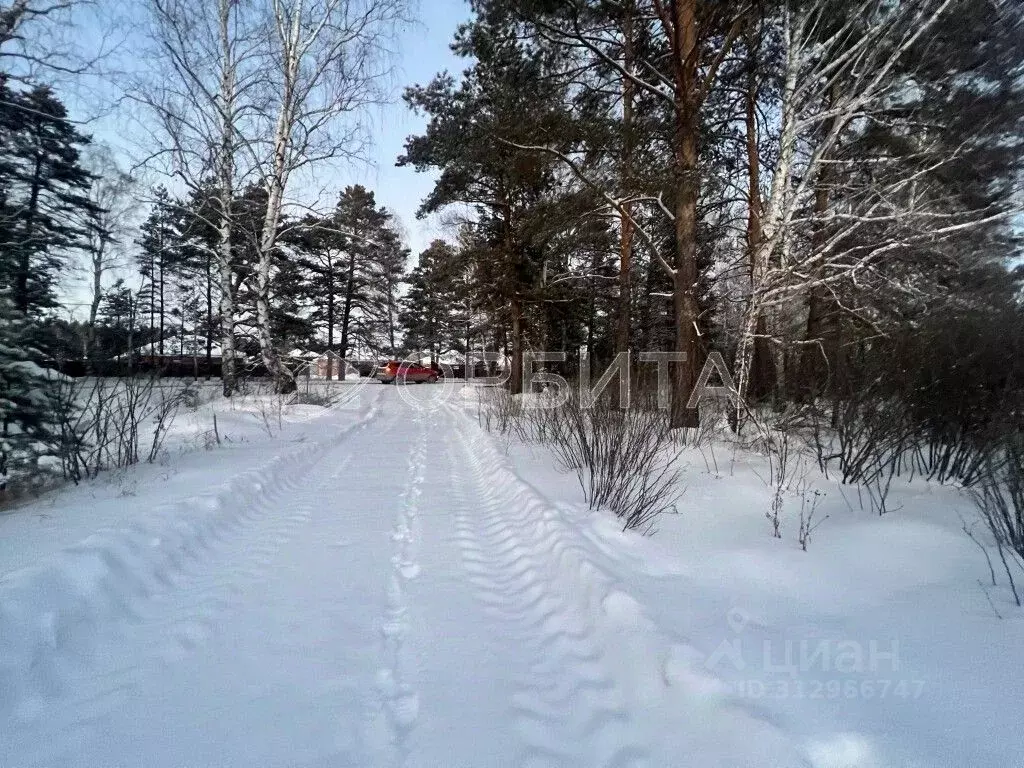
(50, 612)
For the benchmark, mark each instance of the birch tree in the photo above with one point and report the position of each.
(327, 60)
(39, 41)
(841, 73)
(203, 101)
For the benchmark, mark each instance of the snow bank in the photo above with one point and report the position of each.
(51, 612)
(879, 647)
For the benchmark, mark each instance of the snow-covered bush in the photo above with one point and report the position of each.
(502, 412)
(870, 439)
(627, 458)
(789, 478)
(936, 400)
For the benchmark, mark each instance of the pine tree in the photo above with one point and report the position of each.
(200, 221)
(356, 221)
(118, 327)
(291, 329)
(163, 259)
(247, 212)
(314, 246)
(387, 264)
(431, 306)
(43, 194)
(505, 98)
(28, 398)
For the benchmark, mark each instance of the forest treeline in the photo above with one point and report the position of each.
(827, 192)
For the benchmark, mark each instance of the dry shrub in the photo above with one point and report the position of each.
(626, 459)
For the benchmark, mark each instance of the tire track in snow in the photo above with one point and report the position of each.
(176, 624)
(173, 605)
(400, 702)
(247, 558)
(569, 709)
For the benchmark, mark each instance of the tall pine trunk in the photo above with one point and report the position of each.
(624, 319)
(162, 309)
(346, 312)
(209, 317)
(819, 359)
(21, 297)
(686, 310)
(330, 335)
(516, 374)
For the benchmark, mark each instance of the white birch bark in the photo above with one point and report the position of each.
(225, 164)
(326, 57)
(206, 69)
(858, 62)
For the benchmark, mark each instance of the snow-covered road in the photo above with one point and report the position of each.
(389, 594)
(380, 587)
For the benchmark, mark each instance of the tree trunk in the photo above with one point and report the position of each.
(687, 126)
(330, 334)
(516, 374)
(161, 296)
(819, 357)
(346, 312)
(330, 315)
(773, 224)
(279, 373)
(152, 304)
(391, 315)
(21, 297)
(762, 369)
(209, 318)
(227, 310)
(132, 311)
(97, 296)
(469, 340)
(225, 180)
(624, 319)
(592, 306)
(685, 305)
(277, 181)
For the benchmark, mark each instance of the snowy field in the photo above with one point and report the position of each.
(382, 583)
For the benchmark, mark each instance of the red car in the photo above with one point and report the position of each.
(395, 371)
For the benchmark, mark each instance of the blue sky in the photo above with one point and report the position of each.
(423, 52)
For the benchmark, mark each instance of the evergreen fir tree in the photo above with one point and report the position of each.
(28, 398)
(43, 194)
(431, 307)
(162, 257)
